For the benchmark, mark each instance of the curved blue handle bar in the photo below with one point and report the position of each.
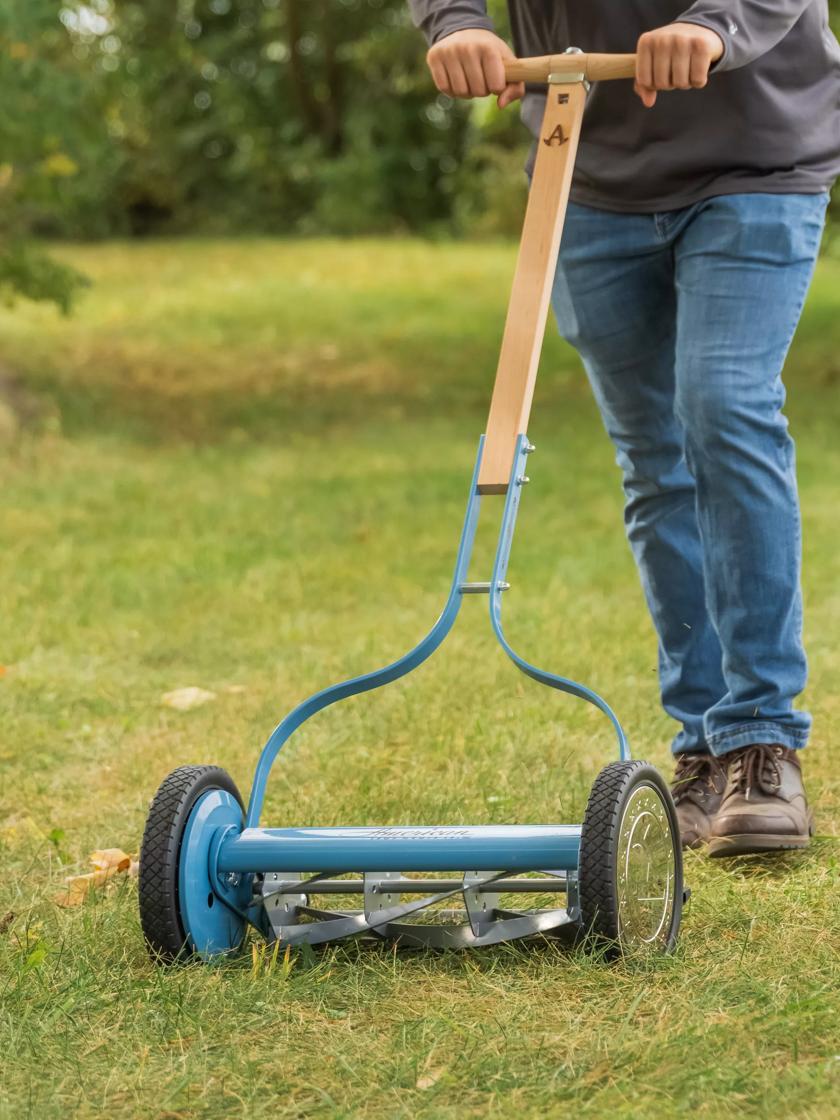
(563, 684)
(425, 648)
(396, 669)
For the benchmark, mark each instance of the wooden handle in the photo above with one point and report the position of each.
(595, 67)
(529, 298)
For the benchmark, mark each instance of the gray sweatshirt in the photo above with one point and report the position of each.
(768, 121)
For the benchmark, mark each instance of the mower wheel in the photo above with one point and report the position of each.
(631, 876)
(179, 911)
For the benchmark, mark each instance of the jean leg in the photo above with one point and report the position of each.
(615, 302)
(743, 266)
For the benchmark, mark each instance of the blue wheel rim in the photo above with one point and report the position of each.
(211, 927)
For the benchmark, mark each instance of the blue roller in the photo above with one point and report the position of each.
(435, 848)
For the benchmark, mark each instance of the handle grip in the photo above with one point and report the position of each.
(594, 67)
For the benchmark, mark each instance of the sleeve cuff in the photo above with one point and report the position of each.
(463, 23)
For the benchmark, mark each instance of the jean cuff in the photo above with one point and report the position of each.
(690, 741)
(745, 734)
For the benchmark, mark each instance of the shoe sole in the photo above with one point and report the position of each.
(755, 843)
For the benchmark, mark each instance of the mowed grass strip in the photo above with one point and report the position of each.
(243, 466)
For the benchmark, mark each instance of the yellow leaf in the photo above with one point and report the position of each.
(110, 857)
(59, 166)
(107, 863)
(78, 886)
(430, 1078)
(18, 50)
(185, 699)
(74, 891)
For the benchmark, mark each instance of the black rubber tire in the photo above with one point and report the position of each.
(598, 864)
(160, 851)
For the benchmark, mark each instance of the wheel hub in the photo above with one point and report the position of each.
(212, 928)
(645, 871)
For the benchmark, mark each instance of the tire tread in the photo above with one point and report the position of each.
(599, 844)
(160, 854)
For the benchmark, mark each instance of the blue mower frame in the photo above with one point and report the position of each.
(209, 870)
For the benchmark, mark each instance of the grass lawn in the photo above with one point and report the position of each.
(245, 464)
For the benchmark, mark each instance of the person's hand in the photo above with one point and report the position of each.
(470, 63)
(677, 56)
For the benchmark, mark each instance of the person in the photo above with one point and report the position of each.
(690, 240)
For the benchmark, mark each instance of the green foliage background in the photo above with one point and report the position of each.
(132, 117)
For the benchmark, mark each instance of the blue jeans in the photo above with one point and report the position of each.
(683, 320)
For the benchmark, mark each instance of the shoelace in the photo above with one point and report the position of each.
(759, 767)
(691, 769)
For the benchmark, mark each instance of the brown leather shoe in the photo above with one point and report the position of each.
(764, 808)
(698, 785)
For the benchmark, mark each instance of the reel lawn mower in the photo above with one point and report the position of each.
(208, 869)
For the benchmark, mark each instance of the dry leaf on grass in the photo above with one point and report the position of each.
(6, 921)
(185, 699)
(104, 858)
(430, 1078)
(107, 863)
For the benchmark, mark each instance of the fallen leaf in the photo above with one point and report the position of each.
(6, 921)
(430, 1078)
(184, 699)
(107, 864)
(2, 670)
(110, 857)
(77, 886)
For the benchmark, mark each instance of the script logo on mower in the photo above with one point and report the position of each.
(418, 833)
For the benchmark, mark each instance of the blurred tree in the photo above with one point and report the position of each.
(288, 116)
(269, 114)
(36, 156)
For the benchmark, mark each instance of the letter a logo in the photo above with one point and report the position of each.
(556, 137)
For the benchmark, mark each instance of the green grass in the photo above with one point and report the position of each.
(246, 464)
